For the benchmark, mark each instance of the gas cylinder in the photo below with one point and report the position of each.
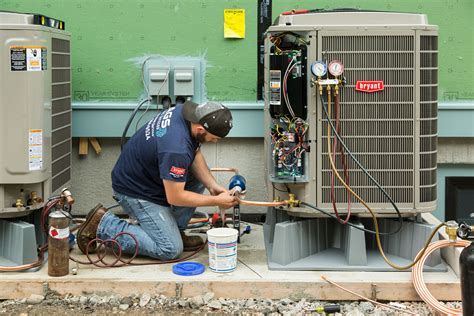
(58, 244)
(466, 263)
(237, 182)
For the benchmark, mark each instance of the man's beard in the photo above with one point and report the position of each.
(201, 138)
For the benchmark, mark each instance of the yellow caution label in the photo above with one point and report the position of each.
(234, 23)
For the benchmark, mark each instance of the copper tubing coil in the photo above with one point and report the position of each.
(419, 283)
(255, 203)
(116, 251)
(234, 170)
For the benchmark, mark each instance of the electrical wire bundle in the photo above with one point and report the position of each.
(291, 65)
(282, 40)
(289, 144)
(147, 100)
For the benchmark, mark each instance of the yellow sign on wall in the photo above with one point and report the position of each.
(234, 23)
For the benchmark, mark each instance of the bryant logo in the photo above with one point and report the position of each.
(177, 172)
(369, 86)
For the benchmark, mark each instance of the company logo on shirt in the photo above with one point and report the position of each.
(157, 127)
(160, 132)
(176, 172)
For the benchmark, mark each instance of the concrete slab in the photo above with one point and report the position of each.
(252, 279)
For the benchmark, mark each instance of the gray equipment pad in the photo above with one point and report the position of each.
(294, 243)
(17, 243)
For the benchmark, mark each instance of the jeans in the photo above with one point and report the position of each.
(158, 232)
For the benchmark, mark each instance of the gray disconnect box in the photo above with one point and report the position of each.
(184, 81)
(158, 83)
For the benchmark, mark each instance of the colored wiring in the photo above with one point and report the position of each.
(291, 38)
(364, 170)
(293, 63)
(289, 144)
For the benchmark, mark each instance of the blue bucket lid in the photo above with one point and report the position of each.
(188, 268)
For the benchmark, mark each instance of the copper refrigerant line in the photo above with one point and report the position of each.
(419, 282)
(101, 247)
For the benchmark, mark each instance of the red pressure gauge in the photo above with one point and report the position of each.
(336, 68)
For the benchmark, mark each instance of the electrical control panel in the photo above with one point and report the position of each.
(287, 95)
(288, 150)
(288, 82)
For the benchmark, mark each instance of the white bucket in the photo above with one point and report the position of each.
(222, 244)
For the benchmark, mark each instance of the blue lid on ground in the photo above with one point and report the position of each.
(188, 268)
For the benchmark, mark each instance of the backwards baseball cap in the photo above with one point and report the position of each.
(213, 116)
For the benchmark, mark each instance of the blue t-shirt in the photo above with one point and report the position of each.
(163, 149)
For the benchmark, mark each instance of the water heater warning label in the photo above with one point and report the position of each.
(28, 58)
(35, 149)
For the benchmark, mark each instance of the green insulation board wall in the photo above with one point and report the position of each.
(108, 35)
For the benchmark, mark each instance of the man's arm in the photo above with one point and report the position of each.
(201, 171)
(178, 196)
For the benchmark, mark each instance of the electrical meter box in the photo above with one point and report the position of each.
(35, 111)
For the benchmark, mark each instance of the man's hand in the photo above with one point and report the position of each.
(216, 190)
(225, 200)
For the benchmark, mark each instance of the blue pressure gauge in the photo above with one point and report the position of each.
(319, 68)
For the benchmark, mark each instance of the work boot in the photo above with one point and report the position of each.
(88, 230)
(191, 243)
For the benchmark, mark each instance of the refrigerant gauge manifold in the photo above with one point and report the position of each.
(319, 68)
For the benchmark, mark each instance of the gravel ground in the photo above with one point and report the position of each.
(203, 304)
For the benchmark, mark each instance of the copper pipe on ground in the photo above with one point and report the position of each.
(28, 266)
(365, 298)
